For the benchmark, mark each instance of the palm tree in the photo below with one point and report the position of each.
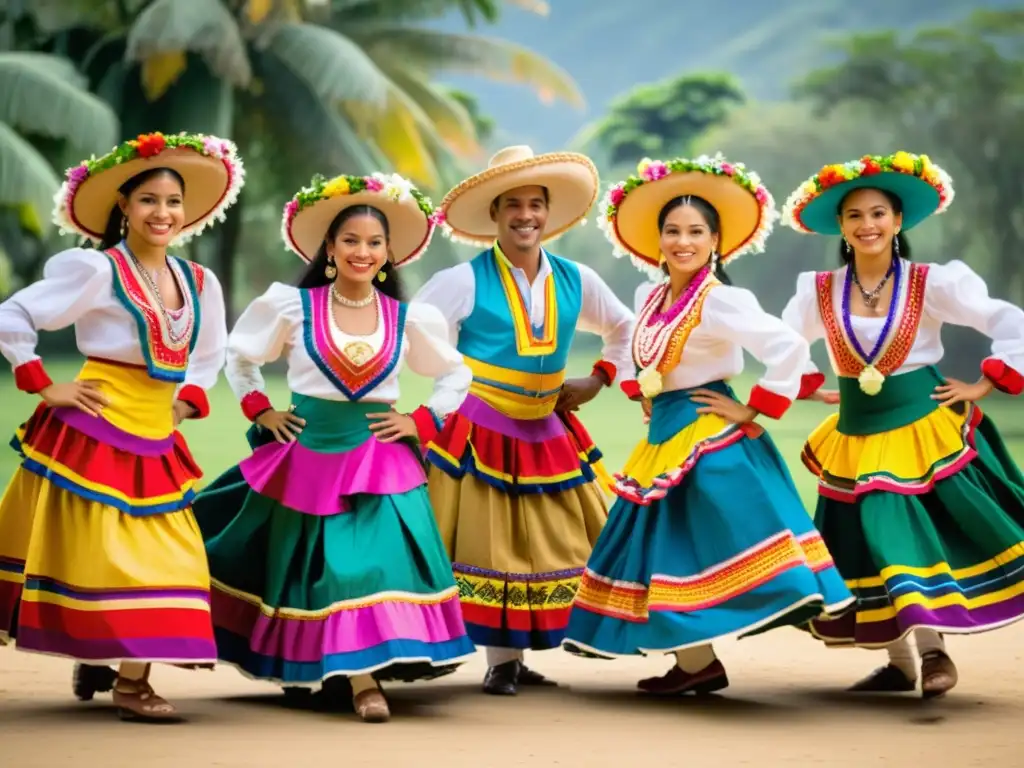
(300, 85)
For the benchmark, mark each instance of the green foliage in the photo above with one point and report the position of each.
(663, 120)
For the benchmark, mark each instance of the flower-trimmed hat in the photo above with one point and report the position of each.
(212, 171)
(922, 187)
(410, 214)
(630, 208)
(570, 178)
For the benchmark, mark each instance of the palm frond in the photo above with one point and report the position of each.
(56, 15)
(445, 114)
(205, 27)
(334, 67)
(26, 179)
(45, 95)
(433, 51)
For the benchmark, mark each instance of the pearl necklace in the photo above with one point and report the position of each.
(353, 303)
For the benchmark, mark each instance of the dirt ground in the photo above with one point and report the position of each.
(785, 707)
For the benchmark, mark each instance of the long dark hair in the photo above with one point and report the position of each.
(315, 276)
(901, 240)
(710, 215)
(112, 232)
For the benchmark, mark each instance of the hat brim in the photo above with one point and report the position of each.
(919, 199)
(636, 221)
(207, 181)
(571, 180)
(409, 228)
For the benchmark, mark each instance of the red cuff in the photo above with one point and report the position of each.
(768, 403)
(196, 397)
(605, 370)
(31, 377)
(1003, 377)
(255, 403)
(809, 384)
(631, 389)
(427, 424)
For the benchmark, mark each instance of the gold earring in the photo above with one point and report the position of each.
(382, 276)
(330, 271)
(124, 226)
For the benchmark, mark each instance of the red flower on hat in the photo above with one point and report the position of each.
(870, 167)
(150, 144)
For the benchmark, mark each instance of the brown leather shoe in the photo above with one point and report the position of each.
(371, 706)
(710, 679)
(938, 674)
(887, 679)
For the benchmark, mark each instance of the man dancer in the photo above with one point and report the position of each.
(515, 481)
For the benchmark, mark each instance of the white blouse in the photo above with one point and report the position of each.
(453, 291)
(732, 320)
(77, 288)
(273, 326)
(953, 294)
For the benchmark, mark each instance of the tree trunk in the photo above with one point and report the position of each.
(228, 236)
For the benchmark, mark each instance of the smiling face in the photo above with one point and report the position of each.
(687, 241)
(155, 210)
(359, 248)
(869, 222)
(521, 215)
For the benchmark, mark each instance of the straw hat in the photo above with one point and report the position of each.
(922, 187)
(212, 171)
(630, 208)
(409, 212)
(571, 180)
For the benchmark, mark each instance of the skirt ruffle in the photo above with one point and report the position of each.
(100, 557)
(910, 459)
(517, 456)
(928, 528)
(708, 540)
(300, 597)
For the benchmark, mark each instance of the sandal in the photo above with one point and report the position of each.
(136, 700)
(938, 674)
(371, 706)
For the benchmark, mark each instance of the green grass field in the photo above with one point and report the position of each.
(219, 441)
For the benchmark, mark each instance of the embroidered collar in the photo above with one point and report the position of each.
(351, 379)
(530, 341)
(660, 337)
(166, 359)
(895, 348)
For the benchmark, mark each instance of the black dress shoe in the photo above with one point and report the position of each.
(528, 676)
(503, 679)
(87, 680)
(887, 679)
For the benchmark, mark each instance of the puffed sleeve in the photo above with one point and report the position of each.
(259, 337)
(956, 294)
(803, 316)
(73, 281)
(452, 292)
(430, 354)
(207, 359)
(602, 313)
(735, 314)
(629, 384)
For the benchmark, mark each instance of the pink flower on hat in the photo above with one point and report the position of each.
(654, 171)
(374, 184)
(617, 194)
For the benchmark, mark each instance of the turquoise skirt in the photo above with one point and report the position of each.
(708, 539)
(325, 558)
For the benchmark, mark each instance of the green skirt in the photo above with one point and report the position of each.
(325, 558)
(922, 508)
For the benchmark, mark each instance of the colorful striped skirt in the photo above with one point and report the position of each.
(101, 559)
(325, 557)
(519, 504)
(708, 539)
(923, 508)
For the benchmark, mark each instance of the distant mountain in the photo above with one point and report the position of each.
(609, 47)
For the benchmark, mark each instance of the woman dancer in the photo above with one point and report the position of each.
(919, 500)
(324, 554)
(708, 538)
(100, 557)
